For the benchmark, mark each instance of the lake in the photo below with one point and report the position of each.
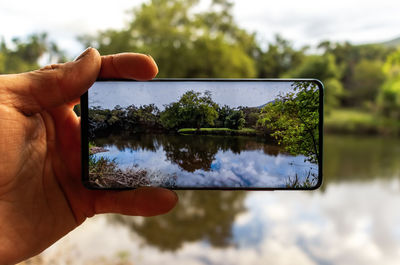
(207, 161)
(354, 218)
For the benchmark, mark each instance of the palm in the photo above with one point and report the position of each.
(41, 194)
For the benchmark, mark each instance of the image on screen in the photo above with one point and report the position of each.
(201, 134)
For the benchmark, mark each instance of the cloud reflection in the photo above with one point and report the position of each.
(342, 225)
(245, 169)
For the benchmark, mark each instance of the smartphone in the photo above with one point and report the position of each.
(247, 134)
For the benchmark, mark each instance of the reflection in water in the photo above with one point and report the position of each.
(200, 216)
(363, 158)
(210, 161)
(354, 220)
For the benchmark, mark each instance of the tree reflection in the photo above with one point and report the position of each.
(190, 152)
(200, 215)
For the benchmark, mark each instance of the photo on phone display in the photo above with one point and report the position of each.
(203, 134)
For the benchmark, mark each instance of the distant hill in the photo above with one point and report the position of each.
(392, 43)
(263, 105)
(389, 43)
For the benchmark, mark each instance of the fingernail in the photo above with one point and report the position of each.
(83, 54)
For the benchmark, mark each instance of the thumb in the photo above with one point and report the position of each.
(56, 84)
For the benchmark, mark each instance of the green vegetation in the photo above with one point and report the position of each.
(360, 122)
(192, 110)
(24, 54)
(105, 173)
(293, 119)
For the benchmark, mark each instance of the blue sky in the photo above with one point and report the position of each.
(233, 94)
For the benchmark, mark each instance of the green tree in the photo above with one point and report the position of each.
(367, 80)
(25, 53)
(347, 58)
(389, 96)
(184, 42)
(294, 119)
(235, 120)
(279, 58)
(325, 69)
(192, 110)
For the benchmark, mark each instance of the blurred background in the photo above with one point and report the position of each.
(352, 46)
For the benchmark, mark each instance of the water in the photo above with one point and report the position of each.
(209, 161)
(353, 219)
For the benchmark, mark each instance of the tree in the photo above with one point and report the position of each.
(235, 120)
(25, 54)
(348, 57)
(325, 69)
(192, 110)
(389, 96)
(279, 58)
(294, 119)
(183, 42)
(367, 80)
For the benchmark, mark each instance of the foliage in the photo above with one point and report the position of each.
(389, 96)
(131, 119)
(294, 120)
(235, 120)
(348, 57)
(23, 55)
(192, 110)
(279, 58)
(367, 80)
(184, 42)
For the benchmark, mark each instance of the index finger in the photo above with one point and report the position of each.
(128, 66)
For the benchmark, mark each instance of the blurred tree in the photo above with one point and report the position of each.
(325, 69)
(389, 96)
(279, 58)
(366, 82)
(184, 43)
(347, 58)
(24, 55)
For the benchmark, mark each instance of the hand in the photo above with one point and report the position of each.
(41, 194)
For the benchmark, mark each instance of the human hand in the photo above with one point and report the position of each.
(41, 194)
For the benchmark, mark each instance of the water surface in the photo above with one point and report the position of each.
(353, 219)
(209, 161)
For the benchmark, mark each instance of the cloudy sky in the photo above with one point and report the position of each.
(234, 94)
(302, 22)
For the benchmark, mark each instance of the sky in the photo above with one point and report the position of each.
(234, 94)
(305, 22)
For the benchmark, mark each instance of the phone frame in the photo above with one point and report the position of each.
(85, 142)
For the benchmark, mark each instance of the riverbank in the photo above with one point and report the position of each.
(220, 131)
(352, 121)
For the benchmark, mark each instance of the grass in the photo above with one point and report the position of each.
(105, 173)
(218, 131)
(359, 122)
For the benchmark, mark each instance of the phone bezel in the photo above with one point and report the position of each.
(85, 143)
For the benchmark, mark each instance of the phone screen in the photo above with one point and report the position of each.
(203, 134)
